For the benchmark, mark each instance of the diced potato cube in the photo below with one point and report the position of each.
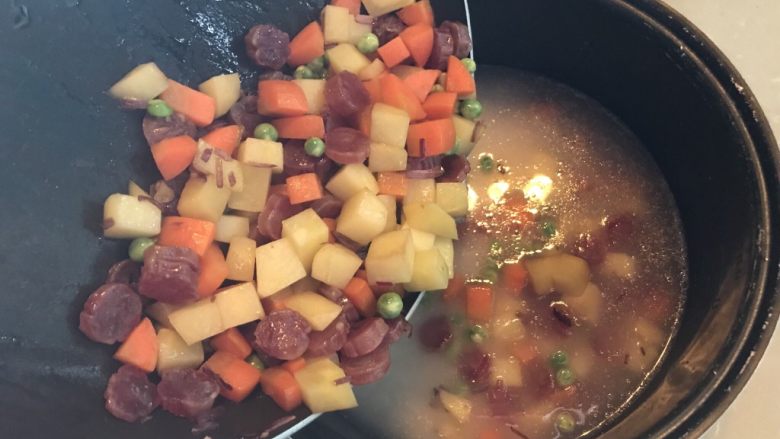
(357, 30)
(389, 125)
(197, 321)
(202, 199)
(314, 90)
(225, 89)
(392, 206)
(447, 250)
(589, 305)
(346, 57)
(373, 70)
(278, 267)
(376, 8)
(351, 179)
(559, 272)
(238, 304)
(430, 272)
(307, 232)
(125, 216)
(383, 158)
(582, 361)
(319, 390)
(508, 370)
(213, 161)
(507, 326)
(231, 226)
(453, 198)
(174, 353)
(464, 134)
(336, 24)
(362, 218)
(619, 265)
(390, 258)
(430, 218)
(643, 344)
(335, 265)
(159, 311)
(144, 82)
(315, 308)
(421, 240)
(263, 153)
(241, 259)
(256, 184)
(136, 191)
(458, 406)
(420, 190)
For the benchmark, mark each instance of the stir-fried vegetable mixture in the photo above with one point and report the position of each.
(290, 219)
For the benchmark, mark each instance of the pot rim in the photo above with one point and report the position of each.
(740, 360)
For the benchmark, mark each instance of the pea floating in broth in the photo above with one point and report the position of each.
(569, 282)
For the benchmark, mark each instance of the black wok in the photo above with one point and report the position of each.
(65, 146)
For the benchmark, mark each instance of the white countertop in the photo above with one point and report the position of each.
(748, 32)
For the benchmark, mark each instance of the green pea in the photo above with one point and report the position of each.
(368, 43)
(565, 422)
(559, 359)
(138, 247)
(471, 66)
(548, 228)
(389, 305)
(437, 88)
(303, 72)
(317, 64)
(471, 109)
(255, 362)
(486, 162)
(158, 108)
(266, 131)
(490, 271)
(478, 334)
(564, 377)
(314, 146)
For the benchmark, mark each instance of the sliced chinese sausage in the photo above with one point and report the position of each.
(327, 207)
(124, 272)
(364, 337)
(170, 274)
(474, 368)
(283, 334)
(277, 209)
(346, 145)
(386, 27)
(435, 332)
(397, 328)
(443, 47)
(329, 340)
(345, 94)
(267, 46)
(130, 396)
(110, 313)
(461, 40)
(188, 393)
(244, 113)
(367, 368)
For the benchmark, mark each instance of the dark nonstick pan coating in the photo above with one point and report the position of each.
(64, 147)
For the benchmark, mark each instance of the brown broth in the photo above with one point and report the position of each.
(583, 172)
